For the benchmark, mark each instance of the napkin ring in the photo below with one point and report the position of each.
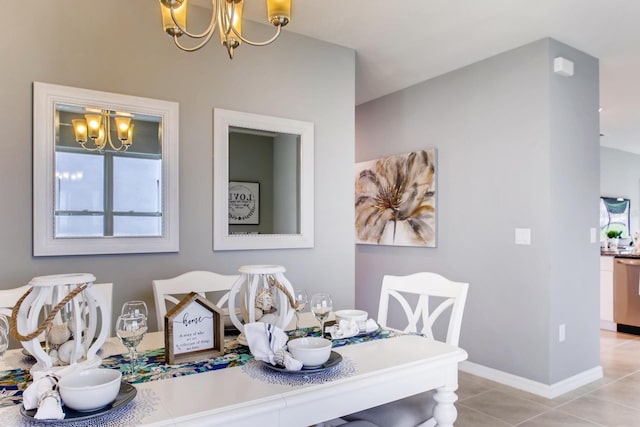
(54, 380)
(278, 357)
(48, 394)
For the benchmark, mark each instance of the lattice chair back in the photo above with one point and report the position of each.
(427, 287)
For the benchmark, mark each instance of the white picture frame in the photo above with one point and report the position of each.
(45, 98)
(244, 203)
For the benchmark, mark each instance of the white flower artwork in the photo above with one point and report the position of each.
(395, 200)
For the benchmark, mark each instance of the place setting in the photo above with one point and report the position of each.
(283, 359)
(70, 389)
(301, 356)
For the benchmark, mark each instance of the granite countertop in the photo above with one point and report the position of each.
(620, 253)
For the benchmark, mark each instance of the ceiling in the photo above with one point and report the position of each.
(401, 43)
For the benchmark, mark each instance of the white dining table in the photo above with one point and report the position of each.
(384, 370)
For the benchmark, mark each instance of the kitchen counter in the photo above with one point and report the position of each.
(620, 253)
(627, 255)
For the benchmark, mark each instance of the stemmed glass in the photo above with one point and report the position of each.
(131, 329)
(134, 307)
(321, 306)
(4, 324)
(4, 342)
(4, 334)
(300, 295)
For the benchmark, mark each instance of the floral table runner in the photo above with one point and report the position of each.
(152, 365)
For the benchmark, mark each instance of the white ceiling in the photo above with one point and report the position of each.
(403, 42)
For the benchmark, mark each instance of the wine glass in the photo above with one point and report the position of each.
(134, 307)
(300, 295)
(321, 306)
(4, 342)
(131, 329)
(4, 324)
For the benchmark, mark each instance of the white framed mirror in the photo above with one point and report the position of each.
(105, 173)
(262, 182)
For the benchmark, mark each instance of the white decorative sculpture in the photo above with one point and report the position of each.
(261, 294)
(76, 316)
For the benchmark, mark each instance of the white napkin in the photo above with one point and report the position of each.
(351, 328)
(268, 343)
(42, 393)
(50, 407)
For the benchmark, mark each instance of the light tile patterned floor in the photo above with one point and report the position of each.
(613, 401)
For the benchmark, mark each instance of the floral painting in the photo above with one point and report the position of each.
(396, 200)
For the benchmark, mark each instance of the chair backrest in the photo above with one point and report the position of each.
(9, 298)
(192, 281)
(423, 286)
(106, 290)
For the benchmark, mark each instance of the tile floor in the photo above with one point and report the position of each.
(613, 401)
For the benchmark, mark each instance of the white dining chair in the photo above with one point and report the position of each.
(9, 298)
(106, 291)
(165, 290)
(434, 295)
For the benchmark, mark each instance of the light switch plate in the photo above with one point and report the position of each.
(523, 236)
(593, 234)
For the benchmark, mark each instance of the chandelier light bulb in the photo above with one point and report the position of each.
(93, 125)
(98, 128)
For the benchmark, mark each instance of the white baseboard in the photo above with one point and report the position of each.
(608, 325)
(545, 390)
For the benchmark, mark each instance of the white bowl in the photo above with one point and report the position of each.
(357, 315)
(90, 389)
(311, 351)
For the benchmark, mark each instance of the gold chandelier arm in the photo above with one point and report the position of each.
(194, 48)
(206, 33)
(83, 145)
(226, 18)
(122, 147)
(264, 43)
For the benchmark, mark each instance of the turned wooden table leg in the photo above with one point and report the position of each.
(445, 412)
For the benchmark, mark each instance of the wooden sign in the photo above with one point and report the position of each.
(193, 330)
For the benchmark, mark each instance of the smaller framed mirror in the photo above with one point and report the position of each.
(263, 182)
(105, 173)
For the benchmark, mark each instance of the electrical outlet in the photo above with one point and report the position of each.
(562, 332)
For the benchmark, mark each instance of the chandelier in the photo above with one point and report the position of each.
(226, 16)
(97, 128)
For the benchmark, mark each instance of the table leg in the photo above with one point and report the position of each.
(445, 412)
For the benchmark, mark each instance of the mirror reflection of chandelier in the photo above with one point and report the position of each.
(96, 127)
(226, 16)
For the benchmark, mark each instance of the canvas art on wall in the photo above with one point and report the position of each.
(396, 200)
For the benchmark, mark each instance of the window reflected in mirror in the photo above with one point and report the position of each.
(105, 172)
(106, 188)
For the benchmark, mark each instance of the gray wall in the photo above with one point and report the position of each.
(620, 177)
(496, 139)
(286, 167)
(575, 194)
(250, 160)
(118, 46)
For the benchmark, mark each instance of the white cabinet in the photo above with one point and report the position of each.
(606, 293)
